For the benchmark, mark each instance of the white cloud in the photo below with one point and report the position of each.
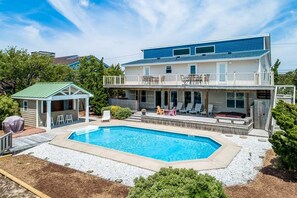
(130, 25)
(84, 3)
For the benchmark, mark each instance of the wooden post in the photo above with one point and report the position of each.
(206, 103)
(138, 100)
(168, 99)
(247, 105)
(87, 113)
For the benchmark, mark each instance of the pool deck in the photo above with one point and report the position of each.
(219, 159)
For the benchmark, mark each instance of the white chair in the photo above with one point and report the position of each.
(106, 116)
(197, 109)
(179, 106)
(60, 119)
(68, 118)
(210, 110)
(52, 121)
(189, 108)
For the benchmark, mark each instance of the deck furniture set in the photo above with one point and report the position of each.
(189, 109)
(153, 80)
(195, 78)
(61, 119)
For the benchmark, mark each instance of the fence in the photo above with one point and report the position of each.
(5, 142)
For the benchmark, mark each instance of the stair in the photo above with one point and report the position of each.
(135, 117)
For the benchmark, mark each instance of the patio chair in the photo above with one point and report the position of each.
(160, 111)
(68, 118)
(197, 109)
(179, 106)
(60, 119)
(106, 116)
(171, 105)
(210, 110)
(189, 107)
(162, 79)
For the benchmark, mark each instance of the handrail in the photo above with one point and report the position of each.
(5, 142)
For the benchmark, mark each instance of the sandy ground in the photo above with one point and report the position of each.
(9, 189)
(270, 182)
(59, 181)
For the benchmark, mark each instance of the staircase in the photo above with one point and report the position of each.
(135, 117)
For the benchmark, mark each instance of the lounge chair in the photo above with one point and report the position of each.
(189, 108)
(160, 111)
(197, 109)
(106, 116)
(171, 105)
(179, 106)
(210, 110)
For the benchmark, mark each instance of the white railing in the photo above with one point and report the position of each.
(231, 79)
(5, 142)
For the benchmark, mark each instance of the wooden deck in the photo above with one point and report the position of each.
(199, 122)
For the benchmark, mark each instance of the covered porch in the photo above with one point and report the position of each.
(52, 104)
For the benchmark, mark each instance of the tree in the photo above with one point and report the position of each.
(284, 142)
(274, 68)
(90, 77)
(8, 107)
(114, 70)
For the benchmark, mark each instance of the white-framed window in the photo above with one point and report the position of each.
(168, 69)
(205, 49)
(181, 52)
(25, 105)
(193, 69)
(235, 100)
(147, 70)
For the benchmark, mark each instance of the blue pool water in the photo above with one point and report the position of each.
(159, 145)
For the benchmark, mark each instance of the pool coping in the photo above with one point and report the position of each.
(221, 158)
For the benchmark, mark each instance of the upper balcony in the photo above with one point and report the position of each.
(199, 80)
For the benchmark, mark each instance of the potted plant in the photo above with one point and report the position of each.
(143, 111)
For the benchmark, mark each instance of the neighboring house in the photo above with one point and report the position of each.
(72, 61)
(230, 74)
(42, 104)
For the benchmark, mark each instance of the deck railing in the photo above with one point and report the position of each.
(5, 142)
(231, 79)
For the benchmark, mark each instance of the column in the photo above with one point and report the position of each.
(37, 119)
(87, 110)
(168, 98)
(206, 103)
(48, 114)
(247, 105)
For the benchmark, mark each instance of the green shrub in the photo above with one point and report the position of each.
(114, 110)
(170, 182)
(8, 107)
(284, 143)
(123, 113)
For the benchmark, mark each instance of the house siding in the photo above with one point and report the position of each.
(30, 115)
(220, 47)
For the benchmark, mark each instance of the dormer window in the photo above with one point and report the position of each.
(205, 49)
(181, 52)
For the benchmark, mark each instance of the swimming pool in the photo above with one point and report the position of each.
(168, 147)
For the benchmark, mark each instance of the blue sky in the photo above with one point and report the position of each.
(117, 30)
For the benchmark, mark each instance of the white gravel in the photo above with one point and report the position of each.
(242, 168)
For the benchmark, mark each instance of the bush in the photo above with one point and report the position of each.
(105, 109)
(170, 182)
(8, 107)
(114, 110)
(284, 143)
(123, 113)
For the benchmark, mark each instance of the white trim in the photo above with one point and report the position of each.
(214, 49)
(181, 48)
(234, 94)
(196, 69)
(69, 97)
(211, 41)
(197, 61)
(27, 106)
(36, 111)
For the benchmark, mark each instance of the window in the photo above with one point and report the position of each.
(205, 50)
(193, 69)
(168, 69)
(25, 105)
(235, 100)
(147, 71)
(143, 96)
(180, 52)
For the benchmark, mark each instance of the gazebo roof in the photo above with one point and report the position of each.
(45, 90)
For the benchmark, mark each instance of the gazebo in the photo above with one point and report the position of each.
(46, 104)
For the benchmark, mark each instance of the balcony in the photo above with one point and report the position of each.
(176, 80)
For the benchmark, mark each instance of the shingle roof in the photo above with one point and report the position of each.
(43, 90)
(206, 57)
(68, 60)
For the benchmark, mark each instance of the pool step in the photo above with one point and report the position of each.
(135, 117)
